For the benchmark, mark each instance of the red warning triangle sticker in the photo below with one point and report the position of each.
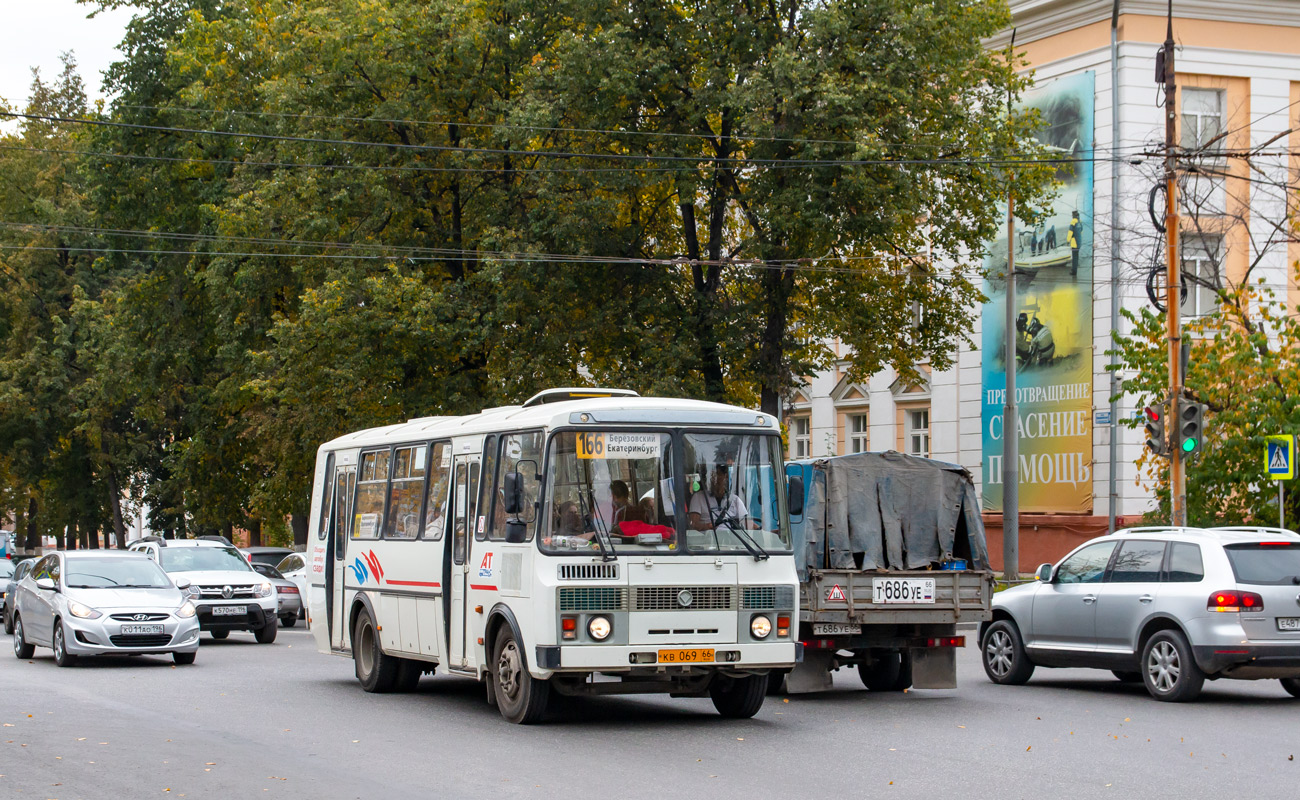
(836, 593)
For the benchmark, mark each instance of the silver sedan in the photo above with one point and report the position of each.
(96, 603)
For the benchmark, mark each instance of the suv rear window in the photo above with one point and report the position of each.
(1265, 563)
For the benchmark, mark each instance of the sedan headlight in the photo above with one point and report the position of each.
(186, 610)
(599, 628)
(760, 626)
(85, 612)
(262, 590)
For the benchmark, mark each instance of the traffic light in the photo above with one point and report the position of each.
(1155, 428)
(1191, 426)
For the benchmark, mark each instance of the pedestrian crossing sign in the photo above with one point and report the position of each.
(1280, 457)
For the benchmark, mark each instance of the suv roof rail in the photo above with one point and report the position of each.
(158, 540)
(212, 537)
(1155, 529)
(1255, 529)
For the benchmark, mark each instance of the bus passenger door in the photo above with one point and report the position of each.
(345, 482)
(465, 492)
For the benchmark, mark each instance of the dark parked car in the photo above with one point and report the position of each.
(10, 583)
(269, 556)
(288, 600)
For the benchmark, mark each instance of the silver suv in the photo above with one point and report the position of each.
(1169, 607)
(229, 595)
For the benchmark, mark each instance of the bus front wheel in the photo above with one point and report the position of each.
(738, 698)
(520, 697)
(376, 670)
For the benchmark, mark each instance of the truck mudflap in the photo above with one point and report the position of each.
(928, 662)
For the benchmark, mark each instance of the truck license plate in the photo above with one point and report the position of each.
(902, 590)
(686, 656)
(128, 630)
(227, 611)
(835, 629)
(1288, 623)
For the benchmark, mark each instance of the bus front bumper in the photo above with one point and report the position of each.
(614, 658)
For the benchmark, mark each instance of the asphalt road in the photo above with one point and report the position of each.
(283, 721)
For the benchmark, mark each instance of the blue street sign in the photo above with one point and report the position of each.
(1280, 457)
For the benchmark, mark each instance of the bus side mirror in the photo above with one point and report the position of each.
(516, 531)
(512, 487)
(794, 490)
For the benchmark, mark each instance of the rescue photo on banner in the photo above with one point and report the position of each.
(1053, 333)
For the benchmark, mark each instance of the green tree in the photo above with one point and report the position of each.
(1245, 365)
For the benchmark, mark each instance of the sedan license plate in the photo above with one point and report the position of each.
(227, 611)
(835, 629)
(128, 630)
(902, 590)
(1288, 623)
(686, 656)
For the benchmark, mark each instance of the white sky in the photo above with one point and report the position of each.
(36, 31)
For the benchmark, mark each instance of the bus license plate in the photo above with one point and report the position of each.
(685, 656)
(227, 611)
(1288, 623)
(835, 629)
(128, 630)
(902, 590)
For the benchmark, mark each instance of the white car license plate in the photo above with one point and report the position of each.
(228, 611)
(902, 590)
(1288, 623)
(141, 629)
(834, 629)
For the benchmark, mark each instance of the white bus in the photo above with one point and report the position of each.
(587, 542)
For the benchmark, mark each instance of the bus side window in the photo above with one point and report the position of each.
(371, 489)
(435, 508)
(458, 520)
(325, 498)
(344, 482)
(488, 504)
(404, 494)
(521, 452)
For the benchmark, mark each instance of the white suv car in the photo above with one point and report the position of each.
(229, 594)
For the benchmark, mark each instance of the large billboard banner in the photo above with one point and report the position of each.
(1053, 328)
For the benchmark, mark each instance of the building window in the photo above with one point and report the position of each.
(1202, 120)
(918, 432)
(1201, 256)
(857, 433)
(800, 437)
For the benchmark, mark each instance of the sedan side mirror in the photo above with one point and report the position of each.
(47, 584)
(1044, 573)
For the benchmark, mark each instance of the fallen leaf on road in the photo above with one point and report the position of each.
(9, 724)
(1030, 747)
(82, 739)
(961, 726)
(1126, 719)
(785, 700)
(210, 763)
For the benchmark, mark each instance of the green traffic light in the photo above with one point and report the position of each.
(1189, 445)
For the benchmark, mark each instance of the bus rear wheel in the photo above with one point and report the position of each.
(376, 670)
(738, 698)
(520, 697)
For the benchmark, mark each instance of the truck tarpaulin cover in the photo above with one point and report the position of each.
(887, 511)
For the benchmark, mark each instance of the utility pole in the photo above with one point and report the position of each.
(1111, 480)
(1173, 294)
(1010, 418)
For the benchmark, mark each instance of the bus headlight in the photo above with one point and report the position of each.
(599, 628)
(760, 626)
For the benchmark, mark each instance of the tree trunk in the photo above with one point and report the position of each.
(777, 288)
(298, 523)
(66, 538)
(255, 533)
(92, 533)
(706, 279)
(115, 503)
(33, 535)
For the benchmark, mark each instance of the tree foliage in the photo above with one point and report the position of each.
(304, 217)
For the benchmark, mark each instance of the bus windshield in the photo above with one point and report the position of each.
(618, 491)
(733, 501)
(611, 490)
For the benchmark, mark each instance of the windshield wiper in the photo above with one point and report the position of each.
(606, 545)
(755, 549)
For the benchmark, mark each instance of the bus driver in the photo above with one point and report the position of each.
(717, 507)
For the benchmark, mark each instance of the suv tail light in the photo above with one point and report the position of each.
(1233, 600)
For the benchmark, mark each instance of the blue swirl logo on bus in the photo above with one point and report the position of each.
(365, 564)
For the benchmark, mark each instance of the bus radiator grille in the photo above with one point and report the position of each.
(670, 598)
(593, 598)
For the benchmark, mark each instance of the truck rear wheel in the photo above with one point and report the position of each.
(738, 698)
(887, 671)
